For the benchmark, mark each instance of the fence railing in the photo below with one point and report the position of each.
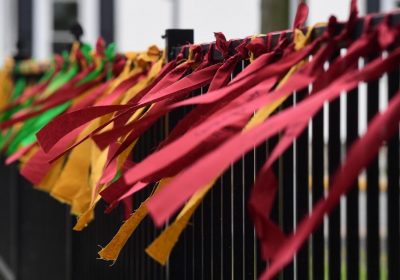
(359, 238)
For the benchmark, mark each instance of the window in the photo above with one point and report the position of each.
(65, 13)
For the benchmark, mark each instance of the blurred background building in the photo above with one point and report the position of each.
(42, 25)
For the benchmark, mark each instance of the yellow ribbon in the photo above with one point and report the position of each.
(87, 197)
(161, 247)
(111, 251)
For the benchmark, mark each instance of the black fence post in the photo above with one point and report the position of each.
(373, 239)
(393, 208)
(352, 202)
(301, 172)
(334, 153)
(176, 38)
(181, 263)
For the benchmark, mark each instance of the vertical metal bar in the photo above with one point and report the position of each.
(207, 213)
(181, 260)
(217, 234)
(198, 238)
(333, 163)
(218, 237)
(191, 250)
(249, 240)
(189, 245)
(168, 266)
(208, 237)
(393, 223)
(373, 251)
(250, 250)
(138, 156)
(238, 218)
(153, 233)
(276, 213)
(228, 223)
(204, 240)
(212, 235)
(352, 199)
(162, 131)
(286, 182)
(161, 136)
(232, 228)
(261, 155)
(302, 192)
(144, 225)
(136, 252)
(151, 269)
(318, 192)
(238, 211)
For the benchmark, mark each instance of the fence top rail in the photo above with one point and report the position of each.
(317, 31)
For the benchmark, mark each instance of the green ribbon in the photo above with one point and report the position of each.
(27, 134)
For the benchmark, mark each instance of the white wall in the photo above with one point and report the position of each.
(141, 23)
(235, 18)
(42, 29)
(89, 16)
(321, 10)
(8, 28)
(388, 5)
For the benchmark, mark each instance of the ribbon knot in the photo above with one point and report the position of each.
(242, 50)
(258, 46)
(221, 44)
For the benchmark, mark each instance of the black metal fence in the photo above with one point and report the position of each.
(359, 240)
